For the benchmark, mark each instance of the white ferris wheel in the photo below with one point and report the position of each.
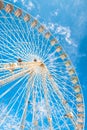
(39, 89)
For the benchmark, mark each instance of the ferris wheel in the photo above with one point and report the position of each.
(39, 89)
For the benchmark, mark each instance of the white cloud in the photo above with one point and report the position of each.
(51, 26)
(64, 31)
(37, 16)
(30, 5)
(42, 108)
(10, 122)
(15, 1)
(23, 2)
(55, 12)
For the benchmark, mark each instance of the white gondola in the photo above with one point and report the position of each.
(67, 63)
(1, 82)
(9, 8)
(63, 56)
(11, 66)
(74, 80)
(69, 115)
(22, 126)
(79, 126)
(41, 29)
(71, 71)
(53, 41)
(35, 123)
(77, 89)
(58, 49)
(79, 98)
(34, 23)
(18, 12)
(1, 5)
(26, 17)
(80, 120)
(49, 119)
(64, 102)
(47, 35)
(80, 115)
(80, 107)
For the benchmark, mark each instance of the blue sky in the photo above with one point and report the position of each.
(69, 19)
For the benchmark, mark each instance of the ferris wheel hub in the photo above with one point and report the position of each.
(38, 67)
